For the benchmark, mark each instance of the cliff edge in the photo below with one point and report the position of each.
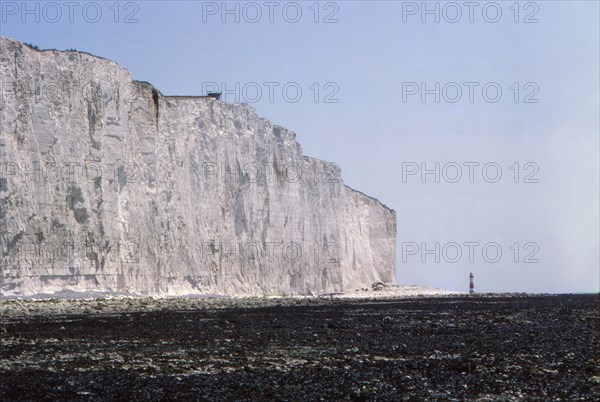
(106, 185)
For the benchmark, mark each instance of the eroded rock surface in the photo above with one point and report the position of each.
(107, 185)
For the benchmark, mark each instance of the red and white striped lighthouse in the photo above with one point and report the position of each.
(471, 284)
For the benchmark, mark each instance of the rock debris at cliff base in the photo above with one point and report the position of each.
(431, 348)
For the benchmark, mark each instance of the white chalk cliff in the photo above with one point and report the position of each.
(106, 185)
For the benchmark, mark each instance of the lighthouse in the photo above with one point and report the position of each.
(471, 284)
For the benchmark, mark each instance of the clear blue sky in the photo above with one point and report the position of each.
(367, 61)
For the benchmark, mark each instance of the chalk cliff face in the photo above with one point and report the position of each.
(107, 185)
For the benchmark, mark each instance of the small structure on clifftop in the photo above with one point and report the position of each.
(214, 95)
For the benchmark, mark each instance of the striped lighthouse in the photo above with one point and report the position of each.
(471, 284)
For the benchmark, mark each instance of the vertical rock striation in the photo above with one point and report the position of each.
(107, 185)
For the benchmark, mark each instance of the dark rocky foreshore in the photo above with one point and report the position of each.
(442, 348)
